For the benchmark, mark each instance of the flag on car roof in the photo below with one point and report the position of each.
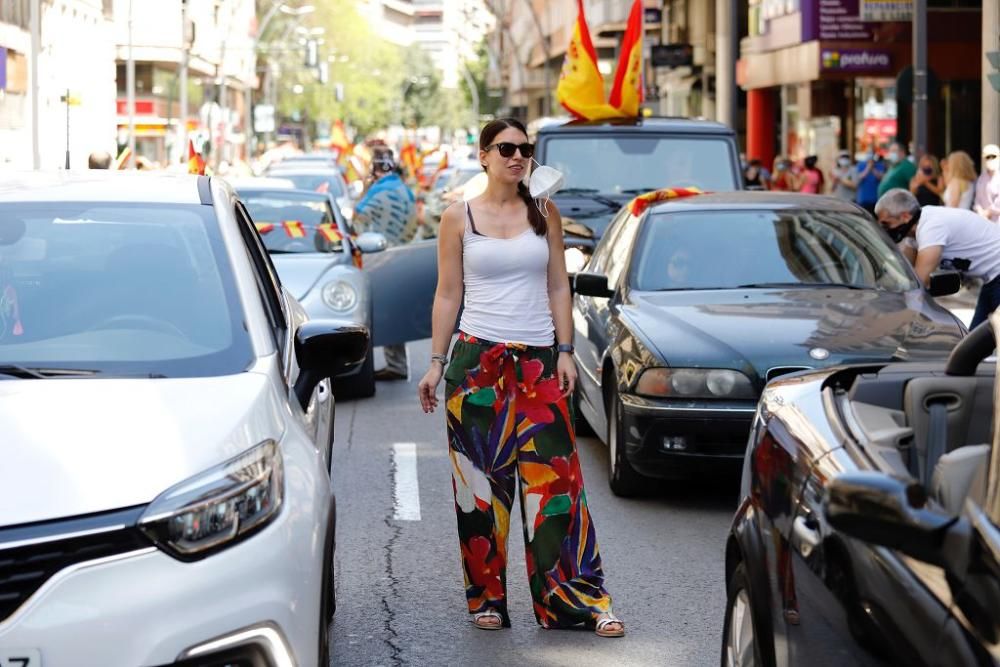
(330, 232)
(196, 163)
(627, 91)
(581, 86)
(642, 202)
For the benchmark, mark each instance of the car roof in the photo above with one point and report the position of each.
(748, 200)
(638, 125)
(284, 193)
(102, 185)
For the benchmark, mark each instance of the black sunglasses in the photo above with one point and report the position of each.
(506, 149)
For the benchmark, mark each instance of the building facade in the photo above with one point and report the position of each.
(218, 44)
(76, 83)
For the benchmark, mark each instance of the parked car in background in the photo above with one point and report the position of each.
(316, 256)
(606, 163)
(690, 305)
(451, 190)
(868, 531)
(167, 430)
(326, 179)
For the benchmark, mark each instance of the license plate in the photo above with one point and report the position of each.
(23, 657)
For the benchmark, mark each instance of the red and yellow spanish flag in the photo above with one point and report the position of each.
(642, 202)
(196, 163)
(294, 228)
(123, 158)
(627, 91)
(264, 227)
(581, 86)
(330, 232)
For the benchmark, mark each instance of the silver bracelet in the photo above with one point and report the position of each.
(443, 358)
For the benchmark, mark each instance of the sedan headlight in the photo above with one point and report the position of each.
(340, 296)
(219, 506)
(695, 383)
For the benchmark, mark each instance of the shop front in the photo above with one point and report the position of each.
(820, 80)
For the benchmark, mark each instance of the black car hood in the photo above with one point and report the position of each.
(756, 330)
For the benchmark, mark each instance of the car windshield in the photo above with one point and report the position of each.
(730, 249)
(290, 224)
(618, 165)
(331, 182)
(118, 290)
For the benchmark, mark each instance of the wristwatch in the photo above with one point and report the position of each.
(565, 347)
(443, 358)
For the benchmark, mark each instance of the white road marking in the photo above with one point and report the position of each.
(406, 499)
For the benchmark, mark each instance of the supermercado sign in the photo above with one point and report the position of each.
(855, 60)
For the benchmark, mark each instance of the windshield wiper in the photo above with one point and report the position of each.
(768, 285)
(23, 372)
(591, 194)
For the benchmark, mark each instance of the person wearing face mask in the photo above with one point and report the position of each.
(901, 170)
(842, 178)
(811, 181)
(868, 173)
(926, 184)
(930, 235)
(508, 382)
(987, 203)
(782, 179)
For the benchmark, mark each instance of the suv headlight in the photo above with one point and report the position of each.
(340, 296)
(220, 506)
(695, 383)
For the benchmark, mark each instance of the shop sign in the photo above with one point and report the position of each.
(3, 68)
(886, 10)
(855, 60)
(833, 20)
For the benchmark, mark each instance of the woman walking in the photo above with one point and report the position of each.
(506, 390)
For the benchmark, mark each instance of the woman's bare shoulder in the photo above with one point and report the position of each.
(453, 219)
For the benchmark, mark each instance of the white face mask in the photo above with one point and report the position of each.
(543, 183)
(992, 165)
(893, 157)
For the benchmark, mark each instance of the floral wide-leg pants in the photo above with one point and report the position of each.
(506, 419)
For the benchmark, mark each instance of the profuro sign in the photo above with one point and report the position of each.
(855, 60)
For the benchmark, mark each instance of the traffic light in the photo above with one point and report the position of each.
(994, 77)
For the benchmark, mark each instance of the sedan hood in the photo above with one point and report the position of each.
(300, 272)
(756, 330)
(73, 447)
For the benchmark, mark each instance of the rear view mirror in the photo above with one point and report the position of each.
(370, 242)
(326, 349)
(592, 284)
(945, 282)
(887, 511)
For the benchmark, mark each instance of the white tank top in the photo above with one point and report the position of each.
(506, 287)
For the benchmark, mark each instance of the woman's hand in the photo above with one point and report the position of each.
(566, 370)
(428, 386)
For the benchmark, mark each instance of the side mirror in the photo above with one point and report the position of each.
(592, 284)
(945, 282)
(887, 511)
(369, 242)
(326, 349)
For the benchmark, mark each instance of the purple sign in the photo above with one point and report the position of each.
(855, 60)
(3, 68)
(836, 20)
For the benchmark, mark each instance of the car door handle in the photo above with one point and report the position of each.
(806, 532)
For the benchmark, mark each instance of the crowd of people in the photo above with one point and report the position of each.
(951, 181)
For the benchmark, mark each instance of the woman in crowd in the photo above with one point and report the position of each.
(960, 180)
(782, 178)
(926, 184)
(987, 203)
(811, 181)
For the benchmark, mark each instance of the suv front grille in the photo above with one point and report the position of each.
(31, 554)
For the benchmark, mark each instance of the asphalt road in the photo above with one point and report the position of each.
(400, 598)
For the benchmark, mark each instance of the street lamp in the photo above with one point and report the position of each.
(298, 12)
